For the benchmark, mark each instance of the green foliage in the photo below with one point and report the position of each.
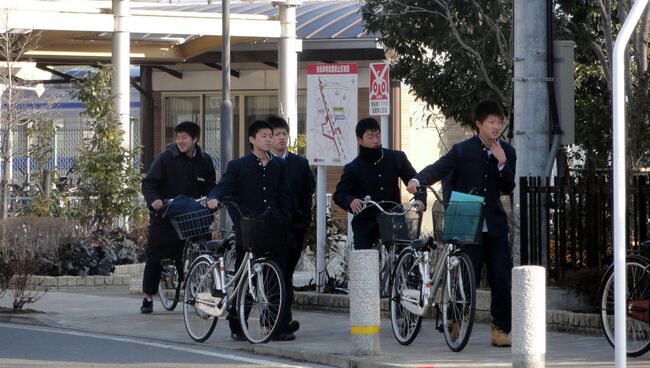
(298, 145)
(110, 178)
(451, 53)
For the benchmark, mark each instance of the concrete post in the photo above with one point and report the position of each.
(364, 301)
(321, 227)
(528, 317)
(121, 73)
(288, 65)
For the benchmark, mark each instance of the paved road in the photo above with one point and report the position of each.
(30, 346)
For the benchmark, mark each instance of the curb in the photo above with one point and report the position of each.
(27, 320)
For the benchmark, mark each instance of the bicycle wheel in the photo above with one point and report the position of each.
(637, 271)
(384, 270)
(458, 300)
(169, 286)
(199, 325)
(260, 307)
(406, 298)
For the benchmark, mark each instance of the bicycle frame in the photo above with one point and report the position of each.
(217, 268)
(430, 281)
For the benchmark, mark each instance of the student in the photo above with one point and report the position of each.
(182, 168)
(256, 183)
(487, 164)
(376, 172)
(302, 186)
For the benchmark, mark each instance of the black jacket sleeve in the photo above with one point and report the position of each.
(506, 179)
(343, 194)
(406, 173)
(306, 200)
(227, 186)
(153, 182)
(284, 196)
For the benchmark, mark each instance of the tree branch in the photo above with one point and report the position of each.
(501, 39)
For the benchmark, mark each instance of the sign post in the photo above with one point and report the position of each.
(332, 94)
(380, 96)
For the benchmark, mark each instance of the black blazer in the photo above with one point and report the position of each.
(302, 186)
(470, 169)
(379, 180)
(254, 187)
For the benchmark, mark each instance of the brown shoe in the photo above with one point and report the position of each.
(454, 329)
(500, 338)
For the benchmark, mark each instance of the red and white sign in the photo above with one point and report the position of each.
(379, 89)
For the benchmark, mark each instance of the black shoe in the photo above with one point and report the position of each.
(284, 336)
(237, 336)
(293, 326)
(147, 306)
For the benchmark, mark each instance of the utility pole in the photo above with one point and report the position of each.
(531, 99)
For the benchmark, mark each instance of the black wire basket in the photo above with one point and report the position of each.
(265, 233)
(193, 224)
(395, 227)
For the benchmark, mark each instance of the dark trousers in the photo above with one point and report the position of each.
(366, 233)
(233, 315)
(295, 240)
(495, 253)
(163, 243)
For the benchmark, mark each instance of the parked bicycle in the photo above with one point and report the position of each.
(426, 268)
(396, 226)
(637, 302)
(193, 227)
(257, 287)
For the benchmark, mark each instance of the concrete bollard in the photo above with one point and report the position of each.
(528, 317)
(364, 301)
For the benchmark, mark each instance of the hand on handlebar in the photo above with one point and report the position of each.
(412, 186)
(157, 204)
(356, 205)
(213, 203)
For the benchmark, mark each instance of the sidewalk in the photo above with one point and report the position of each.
(323, 337)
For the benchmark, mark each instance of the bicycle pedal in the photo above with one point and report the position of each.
(217, 293)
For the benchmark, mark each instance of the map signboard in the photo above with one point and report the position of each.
(332, 91)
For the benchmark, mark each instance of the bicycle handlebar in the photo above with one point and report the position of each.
(368, 201)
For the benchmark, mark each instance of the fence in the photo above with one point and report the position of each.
(566, 224)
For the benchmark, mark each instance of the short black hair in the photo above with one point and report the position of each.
(189, 127)
(366, 124)
(277, 122)
(486, 108)
(256, 127)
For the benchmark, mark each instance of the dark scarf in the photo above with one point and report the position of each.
(370, 155)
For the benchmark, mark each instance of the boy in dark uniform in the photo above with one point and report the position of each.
(302, 186)
(376, 172)
(257, 183)
(182, 168)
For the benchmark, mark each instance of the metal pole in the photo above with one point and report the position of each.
(618, 106)
(321, 236)
(121, 61)
(384, 131)
(531, 113)
(288, 65)
(226, 149)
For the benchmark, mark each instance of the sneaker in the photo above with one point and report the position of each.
(293, 326)
(500, 338)
(237, 336)
(147, 306)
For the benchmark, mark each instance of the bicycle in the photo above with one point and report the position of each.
(420, 274)
(193, 228)
(637, 269)
(257, 287)
(395, 225)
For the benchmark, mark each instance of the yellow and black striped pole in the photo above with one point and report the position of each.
(364, 301)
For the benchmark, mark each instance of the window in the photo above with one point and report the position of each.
(212, 127)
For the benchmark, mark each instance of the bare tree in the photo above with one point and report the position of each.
(20, 102)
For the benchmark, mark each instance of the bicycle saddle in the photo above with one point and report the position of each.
(215, 246)
(424, 242)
